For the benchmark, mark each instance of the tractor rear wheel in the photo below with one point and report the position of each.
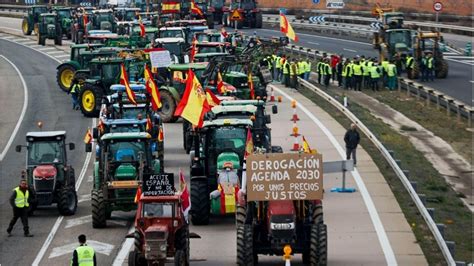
(89, 100)
(25, 27)
(67, 204)
(168, 107)
(415, 72)
(245, 253)
(442, 72)
(133, 258)
(200, 205)
(182, 255)
(137, 240)
(318, 245)
(58, 40)
(64, 77)
(258, 20)
(41, 40)
(99, 207)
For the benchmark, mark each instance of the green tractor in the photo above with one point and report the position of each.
(65, 20)
(123, 160)
(31, 18)
(103, 19)
(49, 27)
(218, 153)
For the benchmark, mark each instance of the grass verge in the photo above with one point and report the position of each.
(449, 208)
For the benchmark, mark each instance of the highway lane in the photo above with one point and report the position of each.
(49, 105)
(458, 84)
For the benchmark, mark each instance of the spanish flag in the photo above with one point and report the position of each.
(149, 125)
(138, 195)
(212, 100)
(170, 7)
(88, 137)
(161, 136)
(142, 27)
(195, 9)
(152, 89)
(224, 33)
(251, 86)
(193, 104)
(221, 88)
(85, 20)
(307, 148)
(286, 28)
(124, 81)
(248, 144)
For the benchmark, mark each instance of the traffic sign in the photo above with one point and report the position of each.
(317, 19)
(236, 15)
(376, 25)
(437, 6)
(316, 1)
(334, 4)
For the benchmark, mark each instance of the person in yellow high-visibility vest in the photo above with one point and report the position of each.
(409, 65)
(392, 75)
(375, 72)
(20, 204)
(301, 68)
(286, 72)
(307, 71)
(384, 72)
(327, 72)
(277, 68)
(357, 72)
(83, 255)
(293, 74)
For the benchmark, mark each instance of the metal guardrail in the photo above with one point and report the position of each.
(396, 168)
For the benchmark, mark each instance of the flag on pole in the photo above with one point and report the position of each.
(88, 137)
(224, 33)
(307, 148)
(138, 195)
(212, 99)
(196, 10)
(170, 7)
(185, 196)
(221, 88)
(161, 135)
(286, 28)
(148, 124)
(152, 89)
(142, 27)
(193, 104)
(124, 81)
(248, 144)
(251, 86)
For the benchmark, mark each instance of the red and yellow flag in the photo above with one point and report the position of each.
(138, 195)
(88, 137)
(248, 144)
(307, 148)
(212, 100)
(251, 86)
(195, 9)
(224, 33)
(142, 27)
(221, 88)
(185, 195)
(124, 81)
(161, 135)
(286, 28)
(149, 125)
(171, 7)
(193, 104)
(152, 89)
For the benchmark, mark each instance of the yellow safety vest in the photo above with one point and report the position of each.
(293, 68)
(367, 67)
(85, 256)
(357, 70)
(374, 72)
(301, 67)
(278, 62)
(21, 199)
(385, 65)
(285, 67)
(74, 88)
(349, 71)
(391, 70)
(328, 69)
(308, 67)
(409, 62)
(430, 63)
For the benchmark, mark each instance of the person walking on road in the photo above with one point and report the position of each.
(20, 205)
(74, 91)
(83, 255)
(352, 139)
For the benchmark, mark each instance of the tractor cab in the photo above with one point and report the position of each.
(211, 47)
(32, 17)
(252, 16)
(176, 46)
(49, 28)
(208, 37)
(103, 19)
(393, 20)
(429, 42)
(65, 19)
(127, 13)
(50, 178)
(207, 57)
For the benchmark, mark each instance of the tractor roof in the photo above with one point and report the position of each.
(46, 134)
(108, 60)
(183, 67)
(198, 55)
(112, 122)
(48, 15)
(127, 9)
(220, 109)
(212, 44)
(243, 102)
(62, 8)
(169, 40)
(171, 28)
(87, 45)
(131, 106)
(102, 11)
(126, 135)
(134, 87)
(228, 122)
(38, 6)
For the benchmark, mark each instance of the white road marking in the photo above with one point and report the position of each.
(11, 29)
(349, 50)
(459, 61)
(315, 43)
(99, 247)
(61, 56)
(472, 81)
(459, 57)
(23, 109)
(47, 49)
(20, 39)
(126, 246)
(29, 42)
(55, 52)
(379, 228)
(78, 221)
(82, 198)
(324, 37)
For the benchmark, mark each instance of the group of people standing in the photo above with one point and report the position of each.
(287, 70)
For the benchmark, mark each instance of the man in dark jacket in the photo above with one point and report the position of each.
(20, 204)
(352, 139)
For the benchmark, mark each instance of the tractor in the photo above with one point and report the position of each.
(124, 158)
(248, 10)
(50, 178)
(219, 149)
(32, 17)
(103, 19)
(425, 42)
(161, 230)
(207, 12)
(80, 25)
(49, 27)
(65, 20)
(177, 48)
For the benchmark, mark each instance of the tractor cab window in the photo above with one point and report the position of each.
(110, 71)
(202, 37)
(210, 49)
(44, 152)
(49, 20)
(155, 209)
(173, 48)
(228, 138)
(64, 13)
(126, 151)
(217, 3)
(129, 16)
(126, 128)
(397, 37)
(171, 34)
(248, 4)
(132, 113)
(103, 17)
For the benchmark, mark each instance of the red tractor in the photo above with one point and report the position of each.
(249, 12)
(161, 230)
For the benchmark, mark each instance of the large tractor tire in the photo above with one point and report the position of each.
(67, 204)
(317, 213)
(240, 215)
(210, 21)
(200, 205)
(442, 72)
(41, 39)
(245, 253)
(90, 98)
(99, 209)
(36, 28)
(133, 258)
(415, 72)
(137, 240)
(25, 27)
(258, 20)
(168, 107)
(182, 255)
(64, 77)
(318, 246)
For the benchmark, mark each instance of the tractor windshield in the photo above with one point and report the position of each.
(174, 48)
(210, 49)
(228, 138)
(248, 4)
(126, 151)
(104, 17)
(110, 71)
(171, 34)
(399, 37)
(64, 13)
(217, 3)
(155, 209)
(44, 152)
(49, 20)
(130, 15)
(132, 113)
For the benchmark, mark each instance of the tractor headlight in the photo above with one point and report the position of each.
(163, 247)
(282, 226)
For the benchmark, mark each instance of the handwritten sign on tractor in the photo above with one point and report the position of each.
(284, 176)
(160, 58)
(158, 185)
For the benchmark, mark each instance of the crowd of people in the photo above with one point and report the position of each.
(349, 73)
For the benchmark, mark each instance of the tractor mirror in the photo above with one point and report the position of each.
(275, 109)
(72, 146)
(18, 148)
(88, 147)
(95, 133)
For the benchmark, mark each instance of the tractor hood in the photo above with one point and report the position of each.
(47, 171)
(125, 172)
(156, 232)
(228, 160)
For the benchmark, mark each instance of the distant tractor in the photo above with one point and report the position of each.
(32, 18)
(429, 42)
(65, 20)
(49, 27)
(50, 178)
(249, 12)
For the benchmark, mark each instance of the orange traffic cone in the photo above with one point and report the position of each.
(296, 145)
(272, 96)
(295, 130)
(295, 117)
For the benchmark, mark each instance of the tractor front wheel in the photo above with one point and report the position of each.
(181, 256)
(25, 27)
(41, 39)
(99, 213)
(200, 205)
(89, 100)
(67, 204)
(442, 72)
(258, 20)
(168, 107)
(245, 253)
(318, 246)
(415, 72)
(64, 77)
(240, 215)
